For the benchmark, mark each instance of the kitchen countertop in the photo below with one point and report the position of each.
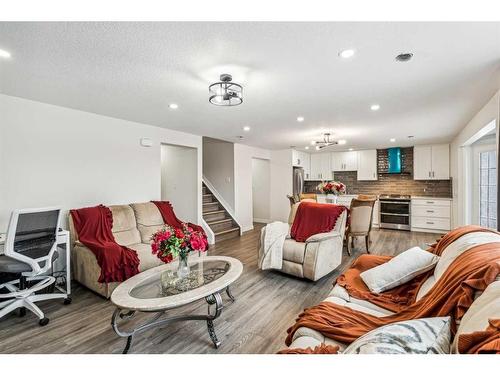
(433, 198)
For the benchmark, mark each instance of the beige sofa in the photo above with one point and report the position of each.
(318, 256)
(133, 226)
(486, 305)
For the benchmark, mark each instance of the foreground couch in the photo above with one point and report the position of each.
(318, 256)
(133, 226)
(485, 306)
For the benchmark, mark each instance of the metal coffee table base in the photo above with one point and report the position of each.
(212, 299)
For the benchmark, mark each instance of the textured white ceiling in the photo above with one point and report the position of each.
(133, 71)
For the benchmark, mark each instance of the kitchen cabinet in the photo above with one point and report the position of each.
(430, 214)
(320, 166)
(303, 160)
(431, 162)
(441, 162)
(367, 165)
(344, 161)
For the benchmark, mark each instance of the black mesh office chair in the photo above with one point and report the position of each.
(30, 249)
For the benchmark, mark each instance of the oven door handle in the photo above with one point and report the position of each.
(393, 202)
(391, 214)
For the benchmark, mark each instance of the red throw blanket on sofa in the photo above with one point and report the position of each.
(93, 225)
(313, 218)
(169, 217)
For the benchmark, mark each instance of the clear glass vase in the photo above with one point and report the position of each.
(183, 267)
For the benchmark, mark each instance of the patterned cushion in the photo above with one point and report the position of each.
(420, 336)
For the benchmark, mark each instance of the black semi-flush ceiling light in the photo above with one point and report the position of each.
(225, 92)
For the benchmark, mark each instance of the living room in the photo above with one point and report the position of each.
(290, 185)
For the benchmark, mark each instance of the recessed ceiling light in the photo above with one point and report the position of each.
(246, 128)
(307, 147)
(350, 149)
(404, 57)
(4, 54)
(345, 54)
(392, 139)
(313, 143)
(342, 141)
(300, 119)
(375, 107)
(318, 148)
(173, 106)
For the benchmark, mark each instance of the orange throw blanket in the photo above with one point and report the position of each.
(320, 349)
(451, 296)
(313, 218)
(397, 298)
(481, 342)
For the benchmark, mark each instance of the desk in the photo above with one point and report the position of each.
(62, 264)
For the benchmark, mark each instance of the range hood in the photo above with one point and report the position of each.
(394, 160)
(390, 161)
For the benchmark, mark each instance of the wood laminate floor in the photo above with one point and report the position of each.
(267, 303)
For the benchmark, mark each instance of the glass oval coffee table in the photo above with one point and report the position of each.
(158, 290)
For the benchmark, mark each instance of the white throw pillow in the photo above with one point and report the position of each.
(399, 269)
(419, 336)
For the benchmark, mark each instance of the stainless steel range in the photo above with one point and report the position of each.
(395, 211)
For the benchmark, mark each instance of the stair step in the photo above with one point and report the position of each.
(220, 225)
(214, 212)
(209, 207)
(227, 231)
(227, 234)
(219, 221)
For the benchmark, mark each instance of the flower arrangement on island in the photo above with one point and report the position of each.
(169, 243)
(332, 187)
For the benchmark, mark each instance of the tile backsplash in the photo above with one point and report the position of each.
(391, 183)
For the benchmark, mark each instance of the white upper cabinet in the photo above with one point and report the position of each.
(326, 167)
(303, 160)
(367, 165)
(337, 161)
(344, 161)
(431, 162)
(315, 166)
(320, 167)
(441, 162)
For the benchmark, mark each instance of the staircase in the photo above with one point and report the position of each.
(217, 218)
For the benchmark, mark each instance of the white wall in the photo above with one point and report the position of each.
(51, 155)
(281, 184)
(261, 190)
(179, 180)
(490, 112)
(243, 207)
(218, 167)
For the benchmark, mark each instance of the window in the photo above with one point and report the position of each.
(488, 189)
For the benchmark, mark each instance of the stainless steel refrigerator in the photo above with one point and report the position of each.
(298, 181)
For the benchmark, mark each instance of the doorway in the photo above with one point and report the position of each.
(484, 200)
(179, 180)
(261, 187)
(480, 159)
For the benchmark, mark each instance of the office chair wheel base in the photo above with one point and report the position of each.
(44, 321)
(67, 301)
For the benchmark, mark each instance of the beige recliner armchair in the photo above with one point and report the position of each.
(318, 256)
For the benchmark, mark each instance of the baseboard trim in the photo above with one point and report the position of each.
(263, 221)
(246, 228)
